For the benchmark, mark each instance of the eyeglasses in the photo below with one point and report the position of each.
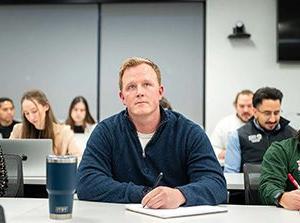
(268, 114)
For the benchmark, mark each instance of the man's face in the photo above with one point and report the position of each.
(7, 112)
(268, 114)
(141, 91)
(244, 107)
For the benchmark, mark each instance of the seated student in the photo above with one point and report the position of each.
(80, 119)
(39, 122)
(249, 143)
(243, 113)
(127, 151)
(281, 159)
(7, 113)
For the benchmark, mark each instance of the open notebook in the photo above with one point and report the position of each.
(178, 212)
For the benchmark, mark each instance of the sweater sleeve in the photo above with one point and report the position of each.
(207, 183)
(273, 173)
(95, 178)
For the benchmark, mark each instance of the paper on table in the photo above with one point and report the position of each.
(178, 212)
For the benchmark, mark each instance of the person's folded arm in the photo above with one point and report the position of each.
(207, 183)
(273, 177)
(95, 180)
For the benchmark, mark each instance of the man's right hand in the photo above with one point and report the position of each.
(163, 197)
(291, 200)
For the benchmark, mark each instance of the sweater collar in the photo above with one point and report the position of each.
(282, 124)
(163, 118)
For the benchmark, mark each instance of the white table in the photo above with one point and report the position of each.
(235, 181)
(35, 180)
(25, 210)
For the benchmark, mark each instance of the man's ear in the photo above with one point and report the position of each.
(122, 98)
(255, 112)
(161, 91)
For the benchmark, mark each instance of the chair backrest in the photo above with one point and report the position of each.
(251, 180)
(14, 170)
(2, 217)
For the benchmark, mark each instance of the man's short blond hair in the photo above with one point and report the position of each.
(135, 61)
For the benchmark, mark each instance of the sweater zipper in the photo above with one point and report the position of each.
(144, 154)
(144, 150)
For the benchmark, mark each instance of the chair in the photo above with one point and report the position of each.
(251, 180)
(2, 217)
(15, 176)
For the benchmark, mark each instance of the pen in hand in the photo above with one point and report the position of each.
(158, 179)
(293, 181)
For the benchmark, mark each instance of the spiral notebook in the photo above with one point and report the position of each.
(177, 212)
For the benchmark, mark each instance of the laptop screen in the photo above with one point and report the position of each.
(33, 153)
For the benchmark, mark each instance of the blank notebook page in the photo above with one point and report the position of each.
(177, 212)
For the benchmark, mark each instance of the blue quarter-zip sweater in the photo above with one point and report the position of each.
(115, 169)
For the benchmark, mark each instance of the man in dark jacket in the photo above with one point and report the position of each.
(127, 151)
(249, 143)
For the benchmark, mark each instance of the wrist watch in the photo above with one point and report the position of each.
(277, 198)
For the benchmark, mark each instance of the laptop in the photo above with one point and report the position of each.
(33, 153)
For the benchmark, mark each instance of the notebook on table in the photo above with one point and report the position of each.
(177, 212)
(33, 153)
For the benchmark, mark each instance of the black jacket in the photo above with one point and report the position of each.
(254, 141)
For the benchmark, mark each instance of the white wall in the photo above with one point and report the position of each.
(169, 34)
(251, 63)
(52, 48)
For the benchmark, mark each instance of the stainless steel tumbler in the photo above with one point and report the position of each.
(61, 183)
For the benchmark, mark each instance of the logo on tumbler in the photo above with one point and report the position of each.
(63, 209)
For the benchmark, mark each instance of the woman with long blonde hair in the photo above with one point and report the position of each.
(39, 123)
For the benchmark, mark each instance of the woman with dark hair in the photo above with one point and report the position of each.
(39, 123)
(80, 119)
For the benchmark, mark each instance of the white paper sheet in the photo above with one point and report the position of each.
(178, 212)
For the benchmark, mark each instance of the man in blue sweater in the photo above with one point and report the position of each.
(127, 151)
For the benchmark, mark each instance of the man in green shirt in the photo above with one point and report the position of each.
(281, 159)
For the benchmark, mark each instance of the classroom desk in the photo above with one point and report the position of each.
(35, 180)
(36, 210)
(235, 181)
